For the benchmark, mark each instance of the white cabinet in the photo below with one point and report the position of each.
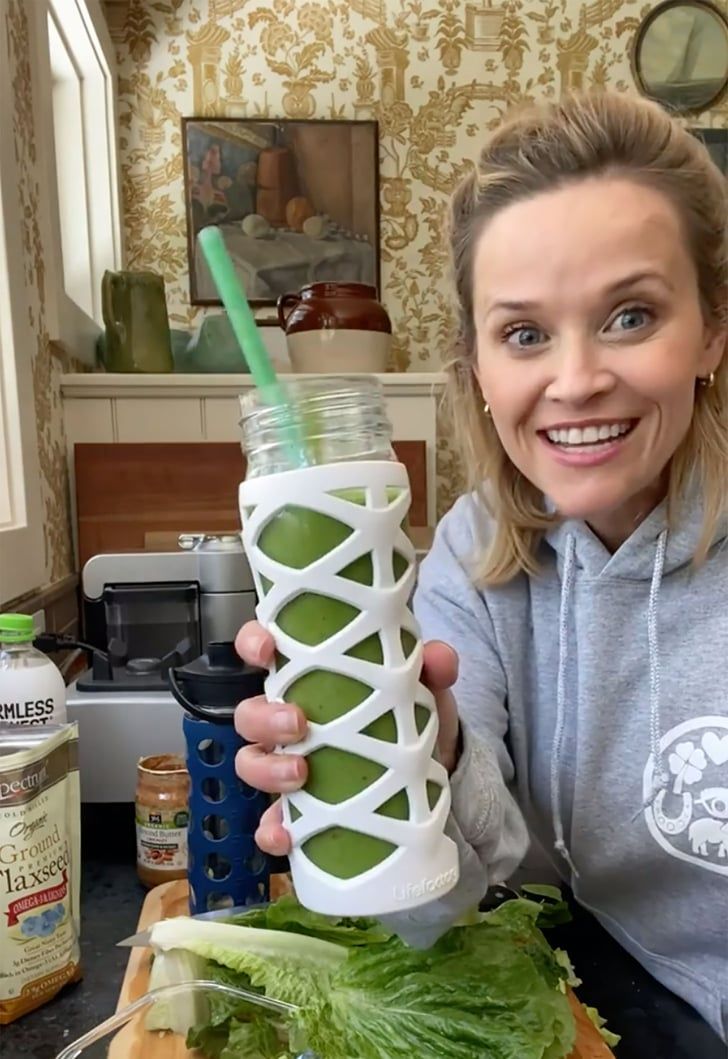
(152, 408)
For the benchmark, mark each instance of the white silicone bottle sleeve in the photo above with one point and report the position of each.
(423, 864)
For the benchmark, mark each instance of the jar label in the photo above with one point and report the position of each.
(161, 837)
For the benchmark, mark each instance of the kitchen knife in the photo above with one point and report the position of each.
(495, 896)
(141, 940)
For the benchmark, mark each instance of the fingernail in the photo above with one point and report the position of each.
(286, 771)
(285, 722)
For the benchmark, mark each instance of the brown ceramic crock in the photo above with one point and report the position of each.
(336, 328)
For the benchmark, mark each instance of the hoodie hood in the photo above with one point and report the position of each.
(635, 559)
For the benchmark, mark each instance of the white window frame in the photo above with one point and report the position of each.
(82, 28)
(23, 560)
(22, 546)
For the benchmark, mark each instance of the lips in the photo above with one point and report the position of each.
(587, 444)
(588, 434)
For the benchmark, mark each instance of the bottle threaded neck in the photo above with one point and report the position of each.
(331, 419)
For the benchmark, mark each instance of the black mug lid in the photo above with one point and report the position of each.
(211, 686)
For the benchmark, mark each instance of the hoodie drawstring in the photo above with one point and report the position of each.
(660, 778)
(557, 747)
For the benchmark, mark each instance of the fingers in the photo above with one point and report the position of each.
(265, 725)
(274, 773)
(448, 734)
(439, 673)
(440, 666)
(269, 723)
(254, 645)
(271, 835)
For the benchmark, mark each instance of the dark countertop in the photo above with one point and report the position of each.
(654, 1023)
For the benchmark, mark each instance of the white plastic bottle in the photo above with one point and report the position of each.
(32, 690)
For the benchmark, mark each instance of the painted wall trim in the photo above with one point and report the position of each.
(404, 384)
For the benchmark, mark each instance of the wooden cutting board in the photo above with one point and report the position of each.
(134, 1042)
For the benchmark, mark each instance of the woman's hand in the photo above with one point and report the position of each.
(266, 725)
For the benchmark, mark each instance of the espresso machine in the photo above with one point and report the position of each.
(145, 613)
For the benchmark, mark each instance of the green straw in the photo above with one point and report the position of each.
(248, 335)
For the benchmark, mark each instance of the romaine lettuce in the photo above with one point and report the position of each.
(488, 990)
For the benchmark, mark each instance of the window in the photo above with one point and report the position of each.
(22, 554)
(82, 164)
(69, 60)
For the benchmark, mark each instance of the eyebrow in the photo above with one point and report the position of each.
(638, 277)
(516, 307)
(621, 284)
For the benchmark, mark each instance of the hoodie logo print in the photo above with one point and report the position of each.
(689, 815)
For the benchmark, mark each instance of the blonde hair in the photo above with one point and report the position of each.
(539, 150)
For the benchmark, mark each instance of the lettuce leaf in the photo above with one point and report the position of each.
(612, 1039)
(564, 960)
(488, 990)
(287, 914)
(554, 910)
(211, 1040)
(285, 967)
(253, 1038)
(256, 1039)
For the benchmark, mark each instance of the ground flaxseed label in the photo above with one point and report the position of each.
(39, 871)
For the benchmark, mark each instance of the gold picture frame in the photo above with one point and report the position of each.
(680, 55)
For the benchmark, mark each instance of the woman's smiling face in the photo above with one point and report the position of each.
(589, 339)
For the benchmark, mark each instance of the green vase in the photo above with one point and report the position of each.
(137, 327)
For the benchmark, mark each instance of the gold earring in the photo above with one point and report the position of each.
(707, 381)
(486, 408)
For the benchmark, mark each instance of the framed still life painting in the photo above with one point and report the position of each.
(297, 202)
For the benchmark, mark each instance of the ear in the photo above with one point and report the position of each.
(715, 348)
(478, 380)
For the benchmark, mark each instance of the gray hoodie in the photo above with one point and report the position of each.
(594, 701)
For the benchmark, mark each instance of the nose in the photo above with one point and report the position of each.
(579, 372)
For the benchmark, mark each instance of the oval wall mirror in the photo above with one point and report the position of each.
(681, 55)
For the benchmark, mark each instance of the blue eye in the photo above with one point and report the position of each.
(523, 337)
(631, 319)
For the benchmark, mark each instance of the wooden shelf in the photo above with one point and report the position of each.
(104, 384)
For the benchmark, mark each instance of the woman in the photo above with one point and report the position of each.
(582, 584)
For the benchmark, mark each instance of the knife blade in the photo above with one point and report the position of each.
(141, 939)
(495, 896)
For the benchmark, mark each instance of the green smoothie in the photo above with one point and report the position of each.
(297, 537)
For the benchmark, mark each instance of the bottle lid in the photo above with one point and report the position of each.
(16, 628)
(212, 685)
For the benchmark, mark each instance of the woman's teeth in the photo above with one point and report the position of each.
(591, 435)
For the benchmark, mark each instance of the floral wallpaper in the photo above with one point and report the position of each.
(435, 74)
(49, 362)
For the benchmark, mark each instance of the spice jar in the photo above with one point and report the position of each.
(162, 816)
